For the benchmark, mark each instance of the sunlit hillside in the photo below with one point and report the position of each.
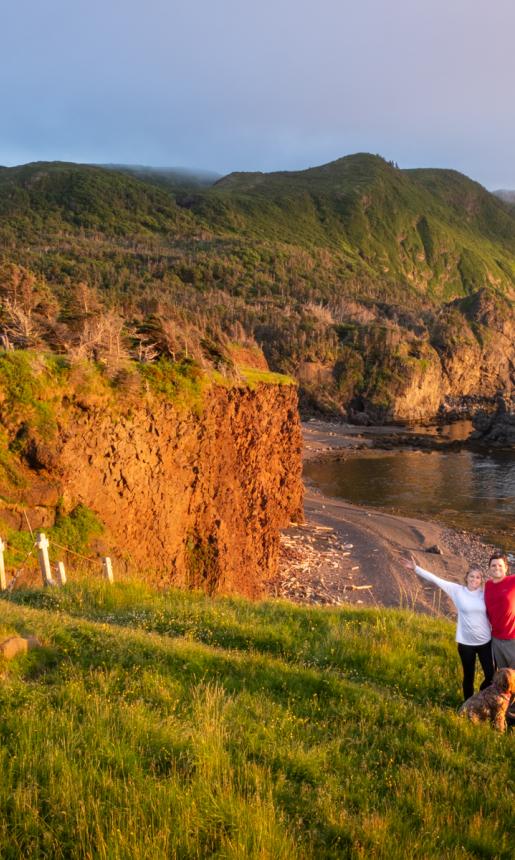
(173, 725)
(352, 276)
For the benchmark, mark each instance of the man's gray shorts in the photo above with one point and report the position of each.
(504, 653)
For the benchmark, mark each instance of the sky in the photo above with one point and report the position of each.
(231, 85)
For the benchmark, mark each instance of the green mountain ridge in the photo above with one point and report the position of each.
(82, 196)
(347, 269)
(365, 203)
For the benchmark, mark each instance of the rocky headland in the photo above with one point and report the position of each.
(190, 485)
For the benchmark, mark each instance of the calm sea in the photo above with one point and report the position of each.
(462, 489)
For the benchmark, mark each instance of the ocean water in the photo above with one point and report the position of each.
(463, 489)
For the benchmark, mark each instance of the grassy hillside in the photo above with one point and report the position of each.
(368, 209)
(330, 267)
(177, 726)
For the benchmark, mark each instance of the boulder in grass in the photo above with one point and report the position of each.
(15, 645)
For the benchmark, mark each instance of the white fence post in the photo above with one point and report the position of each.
(108, 569)
(61, 573)
(44, 561)
(3, 583)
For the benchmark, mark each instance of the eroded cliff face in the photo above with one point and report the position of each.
(387, 371)
(465, 379)
(197, 501)
(194, 498)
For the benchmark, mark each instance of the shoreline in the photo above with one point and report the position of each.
(349, 554)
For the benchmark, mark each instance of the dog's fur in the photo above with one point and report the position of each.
(492, 703)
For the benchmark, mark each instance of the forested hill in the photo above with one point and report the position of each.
(44, 200)
(357, 277)
(362, 197)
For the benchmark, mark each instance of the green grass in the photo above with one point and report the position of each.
(181, 383)
(74, 530)
(28, 385)
(172, 725)
(253, 377)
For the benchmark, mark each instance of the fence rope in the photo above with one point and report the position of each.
(72, 551)
(20, 565)
(29, 525)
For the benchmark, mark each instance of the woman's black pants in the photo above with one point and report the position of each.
(468, 660)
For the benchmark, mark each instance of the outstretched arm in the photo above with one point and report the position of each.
(449, 587)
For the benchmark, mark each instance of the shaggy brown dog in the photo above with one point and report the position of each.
(492, 702)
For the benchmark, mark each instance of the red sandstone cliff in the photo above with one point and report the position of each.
(191, 500)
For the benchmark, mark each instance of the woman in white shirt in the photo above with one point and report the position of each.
(473, 632)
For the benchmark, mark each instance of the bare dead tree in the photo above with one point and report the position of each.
(102, 339)
(18, 326)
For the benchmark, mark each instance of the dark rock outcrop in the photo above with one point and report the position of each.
(497, 429)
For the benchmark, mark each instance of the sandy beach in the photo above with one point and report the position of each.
(345, 554)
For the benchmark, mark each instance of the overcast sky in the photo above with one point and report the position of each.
(269, 85)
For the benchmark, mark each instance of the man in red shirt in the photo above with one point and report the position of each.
(500, 608)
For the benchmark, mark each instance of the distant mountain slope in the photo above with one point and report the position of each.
(48, 195)
(507, 196)
(383, 290)
(434, 229)
(171, 178)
